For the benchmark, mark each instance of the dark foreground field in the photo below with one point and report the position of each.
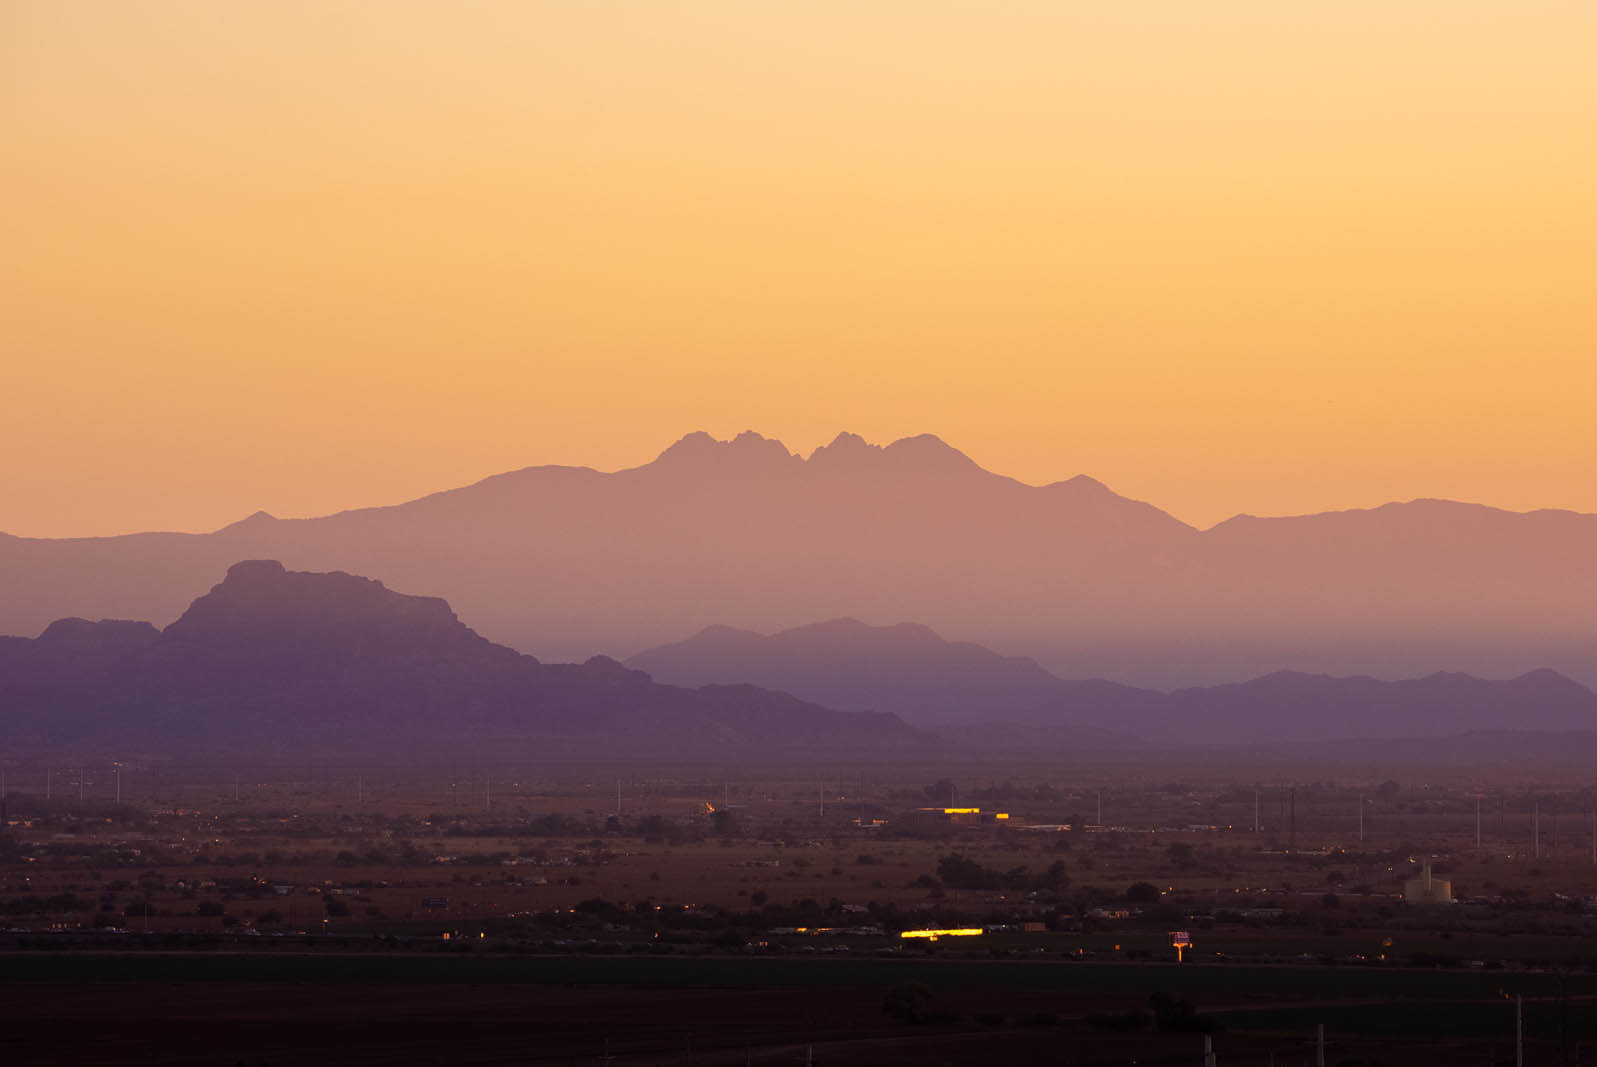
(256, 1009)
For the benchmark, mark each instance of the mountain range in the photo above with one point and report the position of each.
(280, 664)
(569, 562)
(965, 690)
(277, 663)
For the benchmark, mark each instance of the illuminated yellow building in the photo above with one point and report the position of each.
(960, 816)
(933, 935)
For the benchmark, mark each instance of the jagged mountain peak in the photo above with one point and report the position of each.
(848, 453)
(923, 452)
(700, 446)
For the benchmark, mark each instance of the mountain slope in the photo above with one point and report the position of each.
(911, 671)
(906, 669)
(1293, 706)
(272, 662)
(70, 647)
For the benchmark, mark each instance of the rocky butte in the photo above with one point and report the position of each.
(273, 663)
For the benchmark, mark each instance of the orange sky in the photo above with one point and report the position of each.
(1232, 256)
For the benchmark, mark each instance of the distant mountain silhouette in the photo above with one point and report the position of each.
(277, 663)
(567, 561)
(70, 647)
(1293, 706)
(906, 669)
(964, 690)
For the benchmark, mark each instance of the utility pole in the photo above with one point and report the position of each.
(1519, 1030)
(1292, 834)
(1319, 1045)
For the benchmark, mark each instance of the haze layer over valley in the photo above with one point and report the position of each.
(569, 562)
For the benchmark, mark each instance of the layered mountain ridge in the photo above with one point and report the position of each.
(965, 690)
(273, 662)
(569, 561)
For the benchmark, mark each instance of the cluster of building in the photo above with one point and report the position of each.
(959, 817)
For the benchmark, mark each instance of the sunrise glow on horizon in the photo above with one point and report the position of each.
(1237, 257)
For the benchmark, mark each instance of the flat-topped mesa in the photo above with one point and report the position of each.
(262, 596)
(79, 636)
(72, 646)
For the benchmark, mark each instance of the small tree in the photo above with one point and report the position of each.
(961, 873)
(908, 1003)
(1142, 893)
(1055, 877)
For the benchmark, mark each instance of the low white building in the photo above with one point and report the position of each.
(1425, 889)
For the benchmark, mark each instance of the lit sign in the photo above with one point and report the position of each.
(1180, 940)
(933, 935)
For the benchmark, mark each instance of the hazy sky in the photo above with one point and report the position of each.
(1229, 256)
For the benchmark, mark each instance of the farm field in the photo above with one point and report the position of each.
(380, 916)
(308, 1008)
